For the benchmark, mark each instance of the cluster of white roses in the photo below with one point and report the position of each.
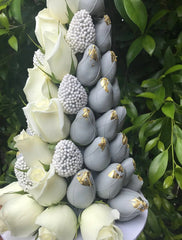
(32, 206)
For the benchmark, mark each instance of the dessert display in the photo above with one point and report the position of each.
(73, 168)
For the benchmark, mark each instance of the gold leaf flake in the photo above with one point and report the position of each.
(84, 178)
(107, 19)
(120, 168)
(134, 164)
(140, 178)
(113, 57)
(86, 112)
(102, 144)
(93, 53)
(104, 83)
(114, 174)
(114, 115)
(125, 139)
(139, 203)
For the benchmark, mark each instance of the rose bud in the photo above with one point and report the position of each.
(101, 96)
(98, 149)
(129, 166)
(89, 69)
(109, 65)
(110, 181)
(135, 183)
(81, 191)
(107, 125)
(83, 128)
(119, 148)
(103, 34)
(129, 203)
(116, 93)
(121, 111)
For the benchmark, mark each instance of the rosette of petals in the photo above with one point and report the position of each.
(51, 35)
(71, 94)
(59, 9)
(47, 187)
(67, 158)
(33, 149)
(57, 223)
(20, 170)
(81, 32)
(39, 86)
(47, 119)
(19, 214)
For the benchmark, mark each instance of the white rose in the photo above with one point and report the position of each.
(47, 119)
(39, 86)
(59, 9)
(11, 188)
(97, 223)
(59, 221)
(34, 150)
(19, 214)
(111, 232)
(7, 193)
(51, 36)
(45, 234)
(48, 188)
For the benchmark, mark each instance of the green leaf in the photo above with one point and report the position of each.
(177, 131)
(166, 204)
(169, 109)
(174, 68)
(157, 201)
(13, 42)
(157, 17)
(133, 51)
(70, 13)
(168, 182)
(178, 149)
(147, 95)
(151, 82)
(120, 7)
(3, 31)
(141, 135)
(169, 58)
(4, 3)
(158, 167)
(178, 175)
(151, 144)
(161, 146)
(177, 78)
(148, 44)
(160, 97)
(153, 222)
(179, 11)
(15, 9)
(137, 12)
(130, 108)
(4, 21)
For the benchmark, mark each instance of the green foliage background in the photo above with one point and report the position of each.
(147, 38)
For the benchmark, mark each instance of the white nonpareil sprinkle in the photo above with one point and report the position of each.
(29, 130)
(81, 32)
(20, 170)
(38, 58)
(67, 158)
(72, 94)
